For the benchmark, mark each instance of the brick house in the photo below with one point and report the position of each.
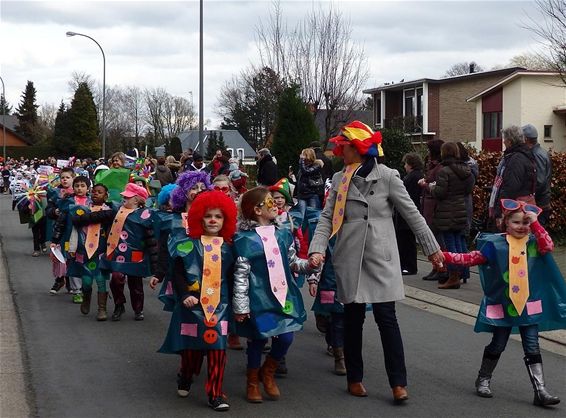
(434, 108)
(13, 139)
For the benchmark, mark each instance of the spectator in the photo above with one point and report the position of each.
(163, 173)
(544, 172)
(310, 185)
(117, 160)
(220, 163)
(327, 171)
(173, 165)
(197, 164)
(187, 160)
(266, 168)
(516, 173)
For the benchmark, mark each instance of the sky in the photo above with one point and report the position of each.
(155, 43)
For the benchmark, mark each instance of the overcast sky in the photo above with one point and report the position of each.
(155, 44)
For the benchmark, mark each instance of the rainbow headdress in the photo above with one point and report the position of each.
(361, 136)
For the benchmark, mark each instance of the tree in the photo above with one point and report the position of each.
(551, 32)
(83, 123)
(318, 55)
(175, 147)
(463, 68)
(220, 144)
(27, 112)
(5, 107)
(62, 139)
(294, 130)
(211, 145)
(531, 61)
(395, 145)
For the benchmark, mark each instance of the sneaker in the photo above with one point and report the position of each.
(118, 312)
(330, 351)
(58, 285)
(183, 386)
(44, 249)
(35, 254)
(218, 404)
(78, 298)
(139, 316)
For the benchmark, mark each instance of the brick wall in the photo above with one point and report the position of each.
(433, 109)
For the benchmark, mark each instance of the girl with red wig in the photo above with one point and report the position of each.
(203, 262)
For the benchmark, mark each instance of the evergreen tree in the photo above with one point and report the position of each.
(62, 139)
(150, 143)
(83, 123)
(220, 142)
(5, 108)
(211, 145)
(395, 145)
(294, 129)
(175, 147)
(27, 113)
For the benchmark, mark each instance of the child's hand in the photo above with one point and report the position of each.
(437, 260)
(531, 217)
(241, 317)
(153, 282)
(72, 255)
(315, 260)
(190, 302)
(312, 289)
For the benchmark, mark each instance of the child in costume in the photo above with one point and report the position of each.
(267, 301)
(54, 198)
(203, 265)
(63, 228)
(523, 288)
(88, 243)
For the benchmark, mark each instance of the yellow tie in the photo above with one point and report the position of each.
(518, 272)
(211, 274)
(341, 195)
(92, 235)
(116, 229)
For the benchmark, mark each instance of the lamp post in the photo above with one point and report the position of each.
(3, 120)
(103, 89)
(201, 86)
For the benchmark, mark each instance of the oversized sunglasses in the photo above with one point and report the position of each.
(512, 205)
(268, 202)
(223, 189)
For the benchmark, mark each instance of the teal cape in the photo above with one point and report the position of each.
(546, 305)
(267, 317)
(189, 328)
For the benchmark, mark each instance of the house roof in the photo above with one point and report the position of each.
(398, 86)
(510, 78)
(11, 124)
(232, 139)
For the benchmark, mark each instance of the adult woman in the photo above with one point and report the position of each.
(406, 242)
(173, 165)
(359, 211)
(454, 182)
(310, 185)
(117, 160)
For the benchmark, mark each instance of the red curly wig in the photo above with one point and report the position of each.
(212, 200)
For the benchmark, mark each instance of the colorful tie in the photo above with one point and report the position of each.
(518, 272)
(116, 229)
(277, 277)
(211, 274)
(341, 195)
(92, 235)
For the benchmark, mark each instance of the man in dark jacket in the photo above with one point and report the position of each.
(544, 172)
(327, 172)
(162, 172)
(266, 168)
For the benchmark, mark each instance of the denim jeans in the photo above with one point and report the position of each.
(279, 346)
(312, 201)
(455, 242)
(335, 331)
(529, 339)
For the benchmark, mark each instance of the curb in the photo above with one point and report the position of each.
(469, 309)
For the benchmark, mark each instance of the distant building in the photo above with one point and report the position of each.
(13, 139)
(235, 143)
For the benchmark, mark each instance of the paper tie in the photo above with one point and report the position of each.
(92, 235)
(518, 272)
(211, 274)
(117, 225)
(277, 276)
(341, 195)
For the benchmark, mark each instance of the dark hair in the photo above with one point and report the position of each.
(434, 148)
(68, 170)
(464, 154)
(197, 157)
(81, 179)
(315, 144)
(161, 160)
(449, 150)
(101, 185)
(413, 160)
(250, 200)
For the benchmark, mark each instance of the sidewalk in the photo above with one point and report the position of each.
(465, 300)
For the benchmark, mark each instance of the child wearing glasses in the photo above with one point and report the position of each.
(266, 301)
(523, 290)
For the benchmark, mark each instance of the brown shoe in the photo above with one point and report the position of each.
(357, 389)
(339, 366)
(266, 375)
(234, 342)
(400, 394)
(453, 281)
(253, 392)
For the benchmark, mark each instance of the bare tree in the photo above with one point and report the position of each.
(134, 108)
(531, 61)
(320, 57)
(179, 115)
(155, 109)
(463, 68)
(47, 114)
(551, 32)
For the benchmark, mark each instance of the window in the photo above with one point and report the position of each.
(409, 102)
(377, 109)
(548, 131)
(240, 153)
(492, 125)
(231, 151)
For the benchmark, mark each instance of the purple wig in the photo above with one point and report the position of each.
(186, 182)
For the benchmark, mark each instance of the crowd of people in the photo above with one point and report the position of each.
(230, 262)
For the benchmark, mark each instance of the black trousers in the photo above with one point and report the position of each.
(407, 245)
(38, 232)
(394, 356)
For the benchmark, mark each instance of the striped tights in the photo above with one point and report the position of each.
(191, 364)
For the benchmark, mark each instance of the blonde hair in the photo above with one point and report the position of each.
(309, 154)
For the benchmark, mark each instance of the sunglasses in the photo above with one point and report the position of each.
(268, 202)
(512, 205)
(222, 189)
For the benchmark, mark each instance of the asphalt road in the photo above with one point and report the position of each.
(78, 367)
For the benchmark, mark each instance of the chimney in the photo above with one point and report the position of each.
(472, 67)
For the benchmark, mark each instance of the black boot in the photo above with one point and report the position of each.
(85, 306)
(534, 367)
(483, 382)
(118, 312)
(431, 276)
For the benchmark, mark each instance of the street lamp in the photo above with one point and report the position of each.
(201, 85)
(3, 120)
(103, 89)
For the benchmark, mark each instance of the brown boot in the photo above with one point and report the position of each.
(266, 375)
(102, 298)
(339, 366)
(85, 305)
(253, 392)
(453, 281)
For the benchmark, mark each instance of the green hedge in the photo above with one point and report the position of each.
(34, 151)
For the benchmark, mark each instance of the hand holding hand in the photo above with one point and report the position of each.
(437, 260)
(153, 282)
(190, 302)
(315, 260)
(241, 317)
(422, 182)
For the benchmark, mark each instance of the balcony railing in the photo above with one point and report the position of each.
(409, 124)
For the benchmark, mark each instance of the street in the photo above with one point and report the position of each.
(78, 367)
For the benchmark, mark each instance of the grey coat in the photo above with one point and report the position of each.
(365, 255)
